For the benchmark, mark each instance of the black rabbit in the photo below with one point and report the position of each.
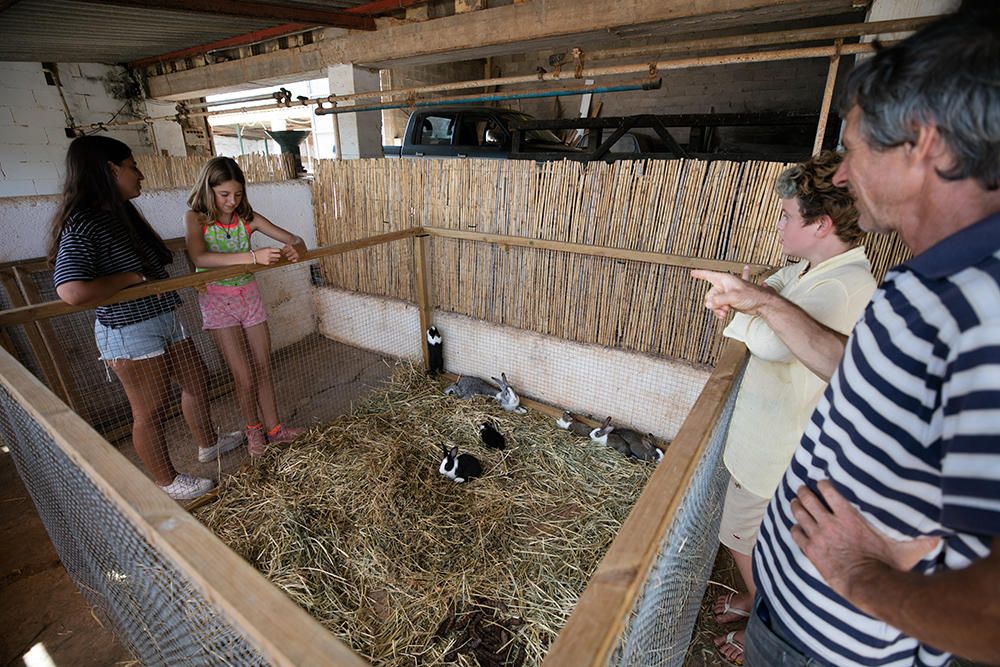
(492, 438)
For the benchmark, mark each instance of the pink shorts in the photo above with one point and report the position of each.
(225, 306)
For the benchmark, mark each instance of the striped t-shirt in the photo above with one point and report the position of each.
(94, 244)
(909, 432)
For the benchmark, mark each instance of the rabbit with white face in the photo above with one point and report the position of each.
(459, 467)
(604, 436)
(570, 423)
(435, 352)
(468, 386)
(507, 397)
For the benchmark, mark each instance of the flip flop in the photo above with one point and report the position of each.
(730, 640)
(729, 609)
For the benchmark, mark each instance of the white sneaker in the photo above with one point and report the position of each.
(227, 442)
(186, 487)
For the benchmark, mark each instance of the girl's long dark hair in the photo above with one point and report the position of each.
(90, 184)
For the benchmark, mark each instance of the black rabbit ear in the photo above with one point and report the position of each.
(503, 376)
(497, 380)
(454, 451)
(606, 423)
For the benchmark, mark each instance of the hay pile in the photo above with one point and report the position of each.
(355, 523)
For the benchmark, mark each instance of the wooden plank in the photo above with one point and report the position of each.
(596, 624)
(270, 621)
(824, 111)
(60, 364)
(594, 251)
(420, 280)
(54, 308)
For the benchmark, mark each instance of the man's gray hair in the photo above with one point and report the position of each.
(947, 74)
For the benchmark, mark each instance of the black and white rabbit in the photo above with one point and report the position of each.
(435, 352)
(459, 467)
(492, 438)
(570, 423)
(468, 386)
(603, 436)
(507, 397)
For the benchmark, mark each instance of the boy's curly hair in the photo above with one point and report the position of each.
(811, 183)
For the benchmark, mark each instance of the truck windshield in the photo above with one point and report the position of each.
(536, 136)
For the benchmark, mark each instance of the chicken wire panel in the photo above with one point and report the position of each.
(152, 608)
(658, 631)
(325, 357)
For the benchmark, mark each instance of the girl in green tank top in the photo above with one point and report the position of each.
(219, 227)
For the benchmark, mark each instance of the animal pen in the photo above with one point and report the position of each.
(571, 279)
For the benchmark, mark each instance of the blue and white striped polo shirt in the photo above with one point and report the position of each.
(909, 432)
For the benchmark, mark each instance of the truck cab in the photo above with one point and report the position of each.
(479, 132)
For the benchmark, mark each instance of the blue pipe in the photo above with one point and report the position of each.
(497, 97)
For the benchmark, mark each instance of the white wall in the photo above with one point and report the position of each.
(24, 226)
(647, 393)
(33, 139)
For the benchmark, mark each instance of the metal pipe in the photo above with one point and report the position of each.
(618, 70)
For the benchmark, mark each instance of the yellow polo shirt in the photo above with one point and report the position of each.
(778, 393)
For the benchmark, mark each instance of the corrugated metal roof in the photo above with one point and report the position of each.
(71, 31)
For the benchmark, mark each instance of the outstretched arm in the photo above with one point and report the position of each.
(294, 247)
(817, 346)
(202, 258)
(955, 610)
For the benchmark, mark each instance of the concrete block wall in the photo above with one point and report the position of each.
(33, 139)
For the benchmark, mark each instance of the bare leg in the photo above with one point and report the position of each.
(739, 601)
(187, 368)
(232, 343)
(146, 384)
(259, 340)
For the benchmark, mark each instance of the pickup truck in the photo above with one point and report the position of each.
(473, 131)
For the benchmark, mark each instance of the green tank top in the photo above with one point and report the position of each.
(230, 238)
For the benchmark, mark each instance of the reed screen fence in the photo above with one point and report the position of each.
(721, 210)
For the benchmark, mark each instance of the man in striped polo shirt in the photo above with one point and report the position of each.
(881, 544)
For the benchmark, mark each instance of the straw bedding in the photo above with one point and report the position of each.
(355, 523)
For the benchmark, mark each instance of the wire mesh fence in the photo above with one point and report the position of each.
(331, 348)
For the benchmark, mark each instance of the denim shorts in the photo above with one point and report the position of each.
(142, 340)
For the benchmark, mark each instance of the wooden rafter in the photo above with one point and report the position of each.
(257, 10)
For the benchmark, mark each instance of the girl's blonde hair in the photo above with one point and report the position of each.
(216, 171)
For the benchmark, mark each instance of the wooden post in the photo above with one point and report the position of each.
(420, 284)
(60, 364)
(824, 112)
(38, 348)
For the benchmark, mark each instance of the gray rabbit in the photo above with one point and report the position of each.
(507, 397)
(468, 386)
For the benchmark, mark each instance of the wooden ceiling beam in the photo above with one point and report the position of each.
(256, 10)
